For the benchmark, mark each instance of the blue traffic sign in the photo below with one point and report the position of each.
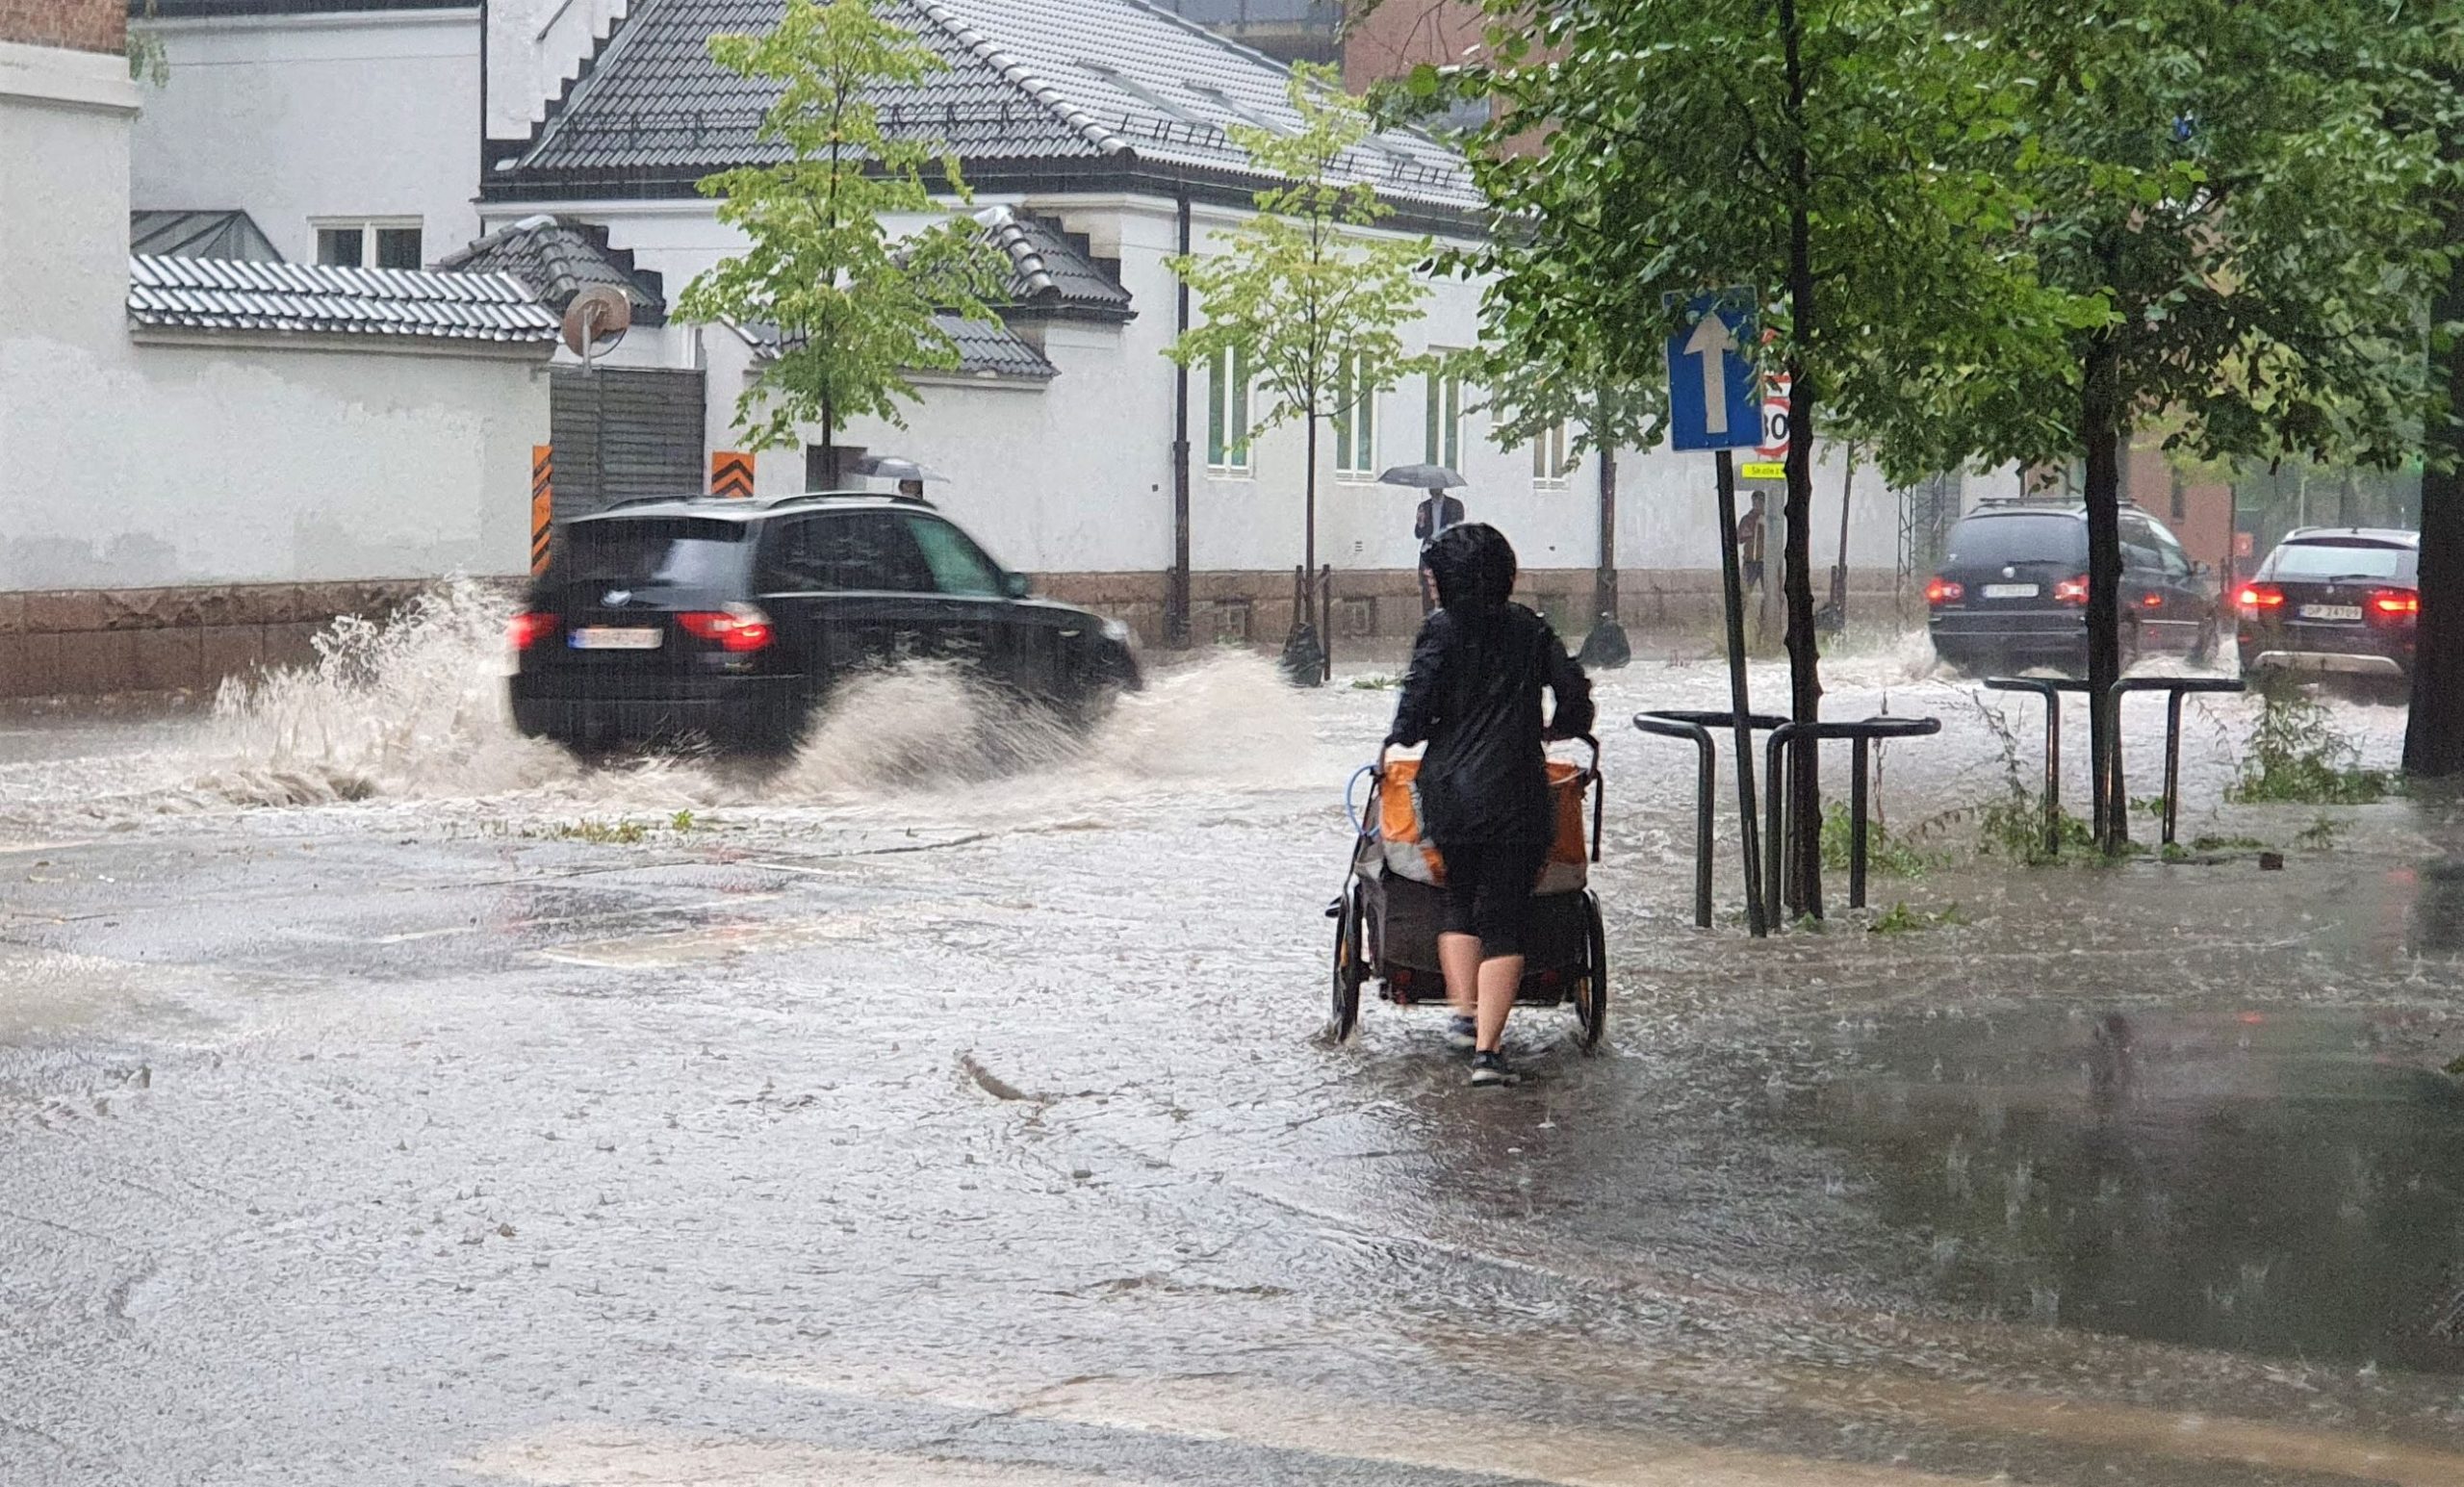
(1714, 400)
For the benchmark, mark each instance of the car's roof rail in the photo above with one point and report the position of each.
(824, 497)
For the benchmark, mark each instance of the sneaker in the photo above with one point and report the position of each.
(1462, 1034)
(1491, 1068)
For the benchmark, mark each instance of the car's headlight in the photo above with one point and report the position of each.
(1120, 634)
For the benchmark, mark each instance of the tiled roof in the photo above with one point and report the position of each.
(226, 233)
(1029, 81)
(984, 351)
(209, 294)
(1053, 274)
(560, 257)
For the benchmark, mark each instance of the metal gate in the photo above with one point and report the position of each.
(624, 431)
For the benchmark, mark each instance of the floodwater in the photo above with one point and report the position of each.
(387, 1099)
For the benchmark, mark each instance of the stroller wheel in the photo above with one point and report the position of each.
(1347, 971)
(1591, 992)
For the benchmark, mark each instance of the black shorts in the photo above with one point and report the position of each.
(1488, 892)
(1752, 571)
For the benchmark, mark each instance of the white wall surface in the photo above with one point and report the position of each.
(224, 459)
(534, 46)
(297, 118)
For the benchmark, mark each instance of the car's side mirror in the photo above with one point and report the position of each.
(1015, 586)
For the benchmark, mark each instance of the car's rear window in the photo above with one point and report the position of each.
(2341, 560)
(680, 551)
(2019, 538)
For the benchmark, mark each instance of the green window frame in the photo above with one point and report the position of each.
(1228, 412)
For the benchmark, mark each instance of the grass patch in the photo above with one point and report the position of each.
(2297, 755)
(1887, 853)
(1375, 683)
(2227, 844)
(1900, 919)
(602, 834)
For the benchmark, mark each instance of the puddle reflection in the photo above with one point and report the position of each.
(2285, 1183)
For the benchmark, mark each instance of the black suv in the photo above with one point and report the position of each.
(726, 620)
(2013, 590)
(2341, 600)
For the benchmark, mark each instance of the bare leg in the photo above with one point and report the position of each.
(1500, 977)
(1459, 956)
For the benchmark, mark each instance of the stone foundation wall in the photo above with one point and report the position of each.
(90, 642)
(87, 642)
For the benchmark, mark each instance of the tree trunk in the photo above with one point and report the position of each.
(2101, 431)
(1804, 846)
(1604, 586)
(830, 479)
(2434, 735)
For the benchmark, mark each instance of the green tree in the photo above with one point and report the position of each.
(2212, 190)
(1648, 148)
(856, 307)
(1303, 292)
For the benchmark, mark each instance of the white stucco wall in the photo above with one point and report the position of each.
(224, 459)
(534, 46)
(293, 118)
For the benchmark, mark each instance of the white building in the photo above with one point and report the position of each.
(1100, 125)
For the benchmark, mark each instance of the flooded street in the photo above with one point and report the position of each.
(385, 1099)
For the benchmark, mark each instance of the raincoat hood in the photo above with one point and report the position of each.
(1472, 565)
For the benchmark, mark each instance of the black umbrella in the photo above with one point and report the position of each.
(1423, 477)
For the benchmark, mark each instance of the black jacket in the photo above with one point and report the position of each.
(1474, 694)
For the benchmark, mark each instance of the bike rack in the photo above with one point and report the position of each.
(1697, 724)
(2050, 689)
(1865, 735)
(2172, 687)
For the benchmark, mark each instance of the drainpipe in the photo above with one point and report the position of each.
(1176, 589)
(483, 101)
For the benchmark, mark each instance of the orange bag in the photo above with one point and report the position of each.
(1403, 830)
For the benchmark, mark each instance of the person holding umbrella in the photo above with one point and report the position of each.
(1437, 510)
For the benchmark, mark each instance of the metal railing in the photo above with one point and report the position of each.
(2101, 788)
(1865, 735)
(1697, 725)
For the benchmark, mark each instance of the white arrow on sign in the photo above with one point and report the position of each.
(1711, 340)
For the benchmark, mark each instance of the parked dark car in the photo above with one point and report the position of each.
(2013, 590)
(2341, 600)
(726, 620)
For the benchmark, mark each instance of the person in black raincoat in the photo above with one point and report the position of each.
(1473, 694)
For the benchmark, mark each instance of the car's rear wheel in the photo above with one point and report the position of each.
(2203, 650)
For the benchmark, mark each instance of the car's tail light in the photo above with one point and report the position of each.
(2071, 591)
(2394, 606)
(1943, 591)
(2151, 600)
(530, 628)
(2255, 598)
(737, 628)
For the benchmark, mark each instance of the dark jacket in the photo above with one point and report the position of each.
(1435, 515)
(1474, 694)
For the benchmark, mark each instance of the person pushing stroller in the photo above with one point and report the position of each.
(1473, 695)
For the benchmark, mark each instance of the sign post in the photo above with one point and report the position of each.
(1712, 405)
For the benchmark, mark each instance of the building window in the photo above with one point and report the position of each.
(1355, 410)
(380, 244)
(1550, 466)
(1444, 421)
(1228, 412)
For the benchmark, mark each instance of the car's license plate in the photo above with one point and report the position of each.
(605, 637)
(2010, 590)
(2331, 611)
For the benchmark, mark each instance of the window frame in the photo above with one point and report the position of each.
(368, 228)
(1230, 450)
(1443, 416)
(1355, 423)
(1551, 467)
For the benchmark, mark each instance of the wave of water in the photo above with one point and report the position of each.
(415, 708)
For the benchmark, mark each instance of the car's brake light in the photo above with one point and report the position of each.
(1943, 591)
(738, 628)
(530, 628)
(2255, 597)
(2071, 591)
(2394, 607)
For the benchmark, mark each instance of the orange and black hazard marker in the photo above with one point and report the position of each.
(731, 473)
(543, 504)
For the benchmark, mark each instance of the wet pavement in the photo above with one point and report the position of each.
(384, 1100)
